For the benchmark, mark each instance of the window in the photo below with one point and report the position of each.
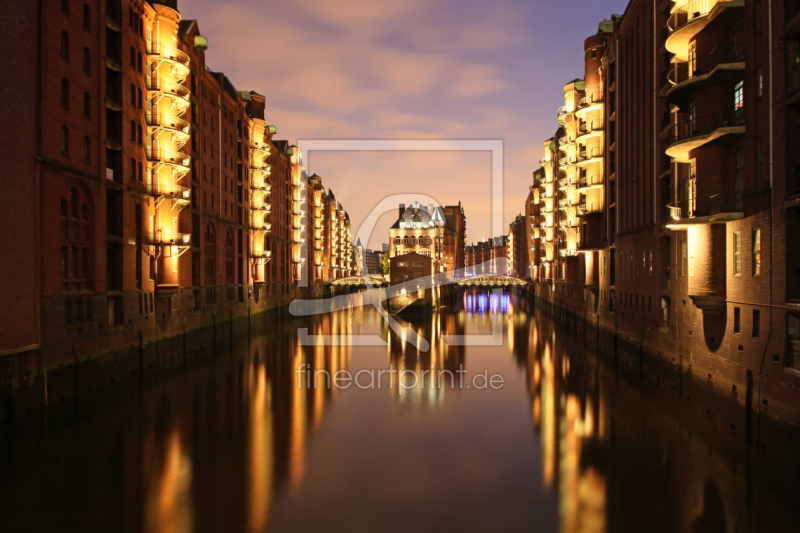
(737, 253)
(397, 241)
(74, 240)
(738, 96)
(756, 252)
(86, 150)
(133, 131)
(64, 93)
(211, 256)
(64, 46)
(87, 17)
(756, 323)
(64, 140)
(594, 53)
(737, 320)
(139, 98)
(86, 105)
(684, 259)
(65, 6)
(139, 134)
(133, 95)
(87, 69)
(133, 57)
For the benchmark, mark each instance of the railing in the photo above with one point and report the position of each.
(169, 190)
(168, 87)
(690, 11)
(694, 127)
(168, 156)
(592, 207)
(586, 101)
(706, 205)
(562, 110)
(586, 155)
(726, 53)
(264, 207)
(169, 53)
(563, 202)
(544, 160)
(563, 183)
(565, 140)
(169, 237)
(594, 179)
(167, 121)
(595, 125)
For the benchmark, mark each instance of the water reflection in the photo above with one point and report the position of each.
(238, 441)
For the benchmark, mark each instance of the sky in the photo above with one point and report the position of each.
(408, 69)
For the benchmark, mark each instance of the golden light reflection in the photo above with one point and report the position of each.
(261, 452)
(169, 499)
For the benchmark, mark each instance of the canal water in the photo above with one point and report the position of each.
(533, 432)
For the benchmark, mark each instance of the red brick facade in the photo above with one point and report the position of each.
(148, 194)
(689, 256)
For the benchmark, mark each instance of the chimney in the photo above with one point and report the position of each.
(402, 210)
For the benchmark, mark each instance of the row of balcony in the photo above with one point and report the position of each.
(169, 89)
(169, 122)
(689, 18)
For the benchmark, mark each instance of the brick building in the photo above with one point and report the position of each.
(149, 194)
(455, 239)
(668, 199)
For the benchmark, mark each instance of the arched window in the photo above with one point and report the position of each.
(87, 68)
(413, 241)
(133, 57)
(87, 105)
(133, 131)
(87, 18)
(211, 256)
(64, 140)
(65, 6)
(405, 240)
(87, 155)
(229, 258)
(65, 92)
(397, 240)
(64, 46)
(139, 134)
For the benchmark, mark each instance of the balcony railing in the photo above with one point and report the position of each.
(167, 121)
(168, 237)
(588, 181)
(722, 54)
(170, 190)
(170, 157)
(169, 88)
(169, 53)
(695, 127)
(706, 205)
(690, 11)
(586, 155)
(591, 207)
(586, 101)
(594, 125)
(562, 110)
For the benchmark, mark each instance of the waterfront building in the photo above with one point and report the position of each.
(149, 194)
(668, 199)
(419, 229)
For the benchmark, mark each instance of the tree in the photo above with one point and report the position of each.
(385, 265)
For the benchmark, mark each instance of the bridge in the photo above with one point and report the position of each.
(492, 280)
(359, 281)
